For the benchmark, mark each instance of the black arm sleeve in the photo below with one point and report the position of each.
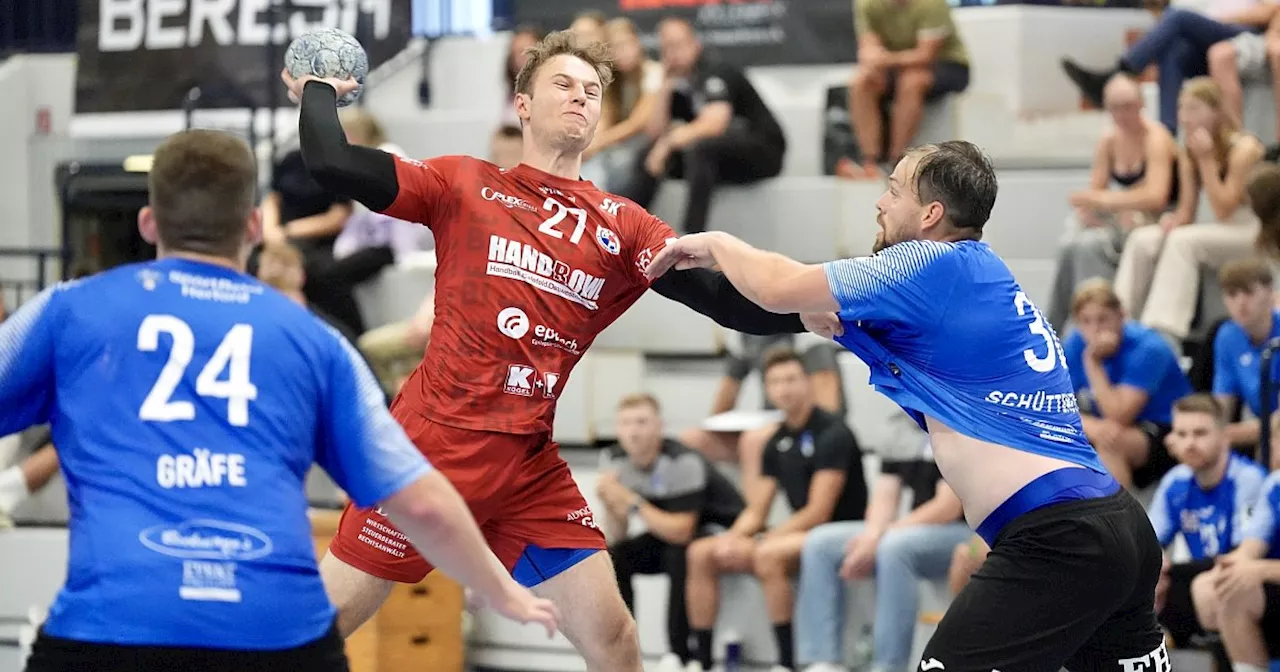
(368, 175)
(712, 294)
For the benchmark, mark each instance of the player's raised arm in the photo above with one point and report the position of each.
(368, 455)
(366, 174)
(26, 364)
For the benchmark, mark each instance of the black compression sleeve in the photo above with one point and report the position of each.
(365, 174)
(712, 294)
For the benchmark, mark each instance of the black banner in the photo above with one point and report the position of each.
(141, 55)
(744, 32)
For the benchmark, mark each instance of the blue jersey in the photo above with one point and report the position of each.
(947, 333)
(1143, 360)
(1264, 520)
(1237, 364)
(1211, 521)
(187, 403)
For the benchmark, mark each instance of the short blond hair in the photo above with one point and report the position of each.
(640, 399)
(1095, 290)
(1201, 403)
(565, 42)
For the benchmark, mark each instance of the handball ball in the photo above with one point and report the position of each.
(329, 52)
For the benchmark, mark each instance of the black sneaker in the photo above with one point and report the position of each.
(1090, 83)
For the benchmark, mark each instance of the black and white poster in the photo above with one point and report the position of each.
(146, 55)
(744, 32)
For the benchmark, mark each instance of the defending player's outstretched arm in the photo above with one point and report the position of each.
(772, 281)
(712, 294)
(365, 174)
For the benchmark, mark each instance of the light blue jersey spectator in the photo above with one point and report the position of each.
(1126, 378)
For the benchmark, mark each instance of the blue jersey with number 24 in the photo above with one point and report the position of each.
(948, 333)
(187, 403)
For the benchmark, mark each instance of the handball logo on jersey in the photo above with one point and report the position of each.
(608, 240)
(513, 323)
(526, 263)
(489, 194)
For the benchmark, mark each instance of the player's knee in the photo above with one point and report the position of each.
(617, 640)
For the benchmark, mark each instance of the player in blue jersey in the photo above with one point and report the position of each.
(188, 402)
(950, 336)
(1206, 498)
(1246, 586)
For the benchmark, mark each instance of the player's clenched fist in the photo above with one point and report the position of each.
(296, 84)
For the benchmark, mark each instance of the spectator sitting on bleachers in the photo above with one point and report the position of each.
(678, 496)
(910, 52)
(522, 38)
(1179, 45)
(1139, 157)
(1240, 595)
(740, 438)
(816, 462)
(897, 552)
(728, 134)
(1248, 57)
(1126, 378)
(1206, 499)
(1247, 289)
(1159, 272)
(628, 104)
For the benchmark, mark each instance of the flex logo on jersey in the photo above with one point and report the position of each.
(490, 194)
(523, 380)
(520, 261)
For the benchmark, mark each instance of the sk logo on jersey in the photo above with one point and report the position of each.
(522, 379)
(608, 240)
(611, 206)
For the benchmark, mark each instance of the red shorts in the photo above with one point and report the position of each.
(519, 490)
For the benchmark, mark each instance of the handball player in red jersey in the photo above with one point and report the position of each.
(534, 263)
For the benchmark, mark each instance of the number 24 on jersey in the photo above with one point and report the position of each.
(231, 358)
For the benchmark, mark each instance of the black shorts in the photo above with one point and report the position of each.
(1271, 619)
(1159, 461)
(1069, 585)
(54, 654)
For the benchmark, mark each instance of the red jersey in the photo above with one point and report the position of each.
(531, 268)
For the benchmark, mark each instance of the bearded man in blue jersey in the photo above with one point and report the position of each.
(950, 336)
